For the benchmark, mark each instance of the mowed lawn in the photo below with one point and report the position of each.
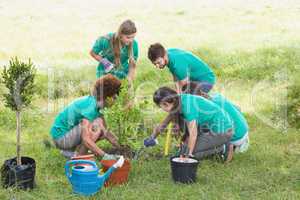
(235, 37)
(269, 170)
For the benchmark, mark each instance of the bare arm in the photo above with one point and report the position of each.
(132, 70)
(109, 136)
(95, 56)
(192, 126)
(112, 139)
(87, 140)
(178, 90)
(180, 84)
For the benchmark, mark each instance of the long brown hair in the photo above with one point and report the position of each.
(126, 28)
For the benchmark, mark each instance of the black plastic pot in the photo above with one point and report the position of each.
(184, 172)
(21, 177)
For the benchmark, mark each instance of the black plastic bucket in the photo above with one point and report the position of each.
(21, 177)
(184, 172)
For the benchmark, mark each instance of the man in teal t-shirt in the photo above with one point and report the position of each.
(184, 66)
(78, 127)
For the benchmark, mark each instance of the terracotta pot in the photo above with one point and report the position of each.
(119, 176)
(84, 157)
(90, 157)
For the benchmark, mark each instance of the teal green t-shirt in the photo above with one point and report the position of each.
(240, 125)
(103, 47)
(205, 112)
(183, 64)
(81, 108)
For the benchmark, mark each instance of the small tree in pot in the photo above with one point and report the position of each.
(19, 81)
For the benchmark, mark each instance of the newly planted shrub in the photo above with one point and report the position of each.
(125, 118)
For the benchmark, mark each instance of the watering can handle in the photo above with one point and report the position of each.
(74, 162)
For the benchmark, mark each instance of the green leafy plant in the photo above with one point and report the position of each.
(293, 104)
(125, 118)
(290, 108)
(18, 78)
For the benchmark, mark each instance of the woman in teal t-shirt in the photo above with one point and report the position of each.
(117, 53)
(198, 112)
(240, 138)
(80, 125)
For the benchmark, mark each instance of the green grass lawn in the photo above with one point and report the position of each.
(269, 170)
(254, 48)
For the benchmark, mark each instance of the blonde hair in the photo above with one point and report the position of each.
(126, 28)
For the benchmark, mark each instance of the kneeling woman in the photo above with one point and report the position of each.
(80, 125)
(198, 112)
(240, 137)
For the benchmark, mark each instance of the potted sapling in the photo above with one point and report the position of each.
(18, 78)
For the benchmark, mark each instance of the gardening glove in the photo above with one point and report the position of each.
(107, 65)
(119, 163)
(150, 142)
(110, 157)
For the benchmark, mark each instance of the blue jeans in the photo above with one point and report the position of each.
(194, 87)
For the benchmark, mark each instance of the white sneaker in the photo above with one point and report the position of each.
(243, 147)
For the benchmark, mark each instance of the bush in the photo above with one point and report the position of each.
(42, 85)
(63, 84)
(31, 118)
(289, 110)
(125, 119)
(258, 65)
(293, 104)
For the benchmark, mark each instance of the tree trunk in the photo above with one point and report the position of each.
(18, 137)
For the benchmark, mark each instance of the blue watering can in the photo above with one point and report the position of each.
(85, 179)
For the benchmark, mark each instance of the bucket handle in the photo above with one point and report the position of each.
(74, 162)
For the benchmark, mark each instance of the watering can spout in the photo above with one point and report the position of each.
(103, 177)
(106, 175)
